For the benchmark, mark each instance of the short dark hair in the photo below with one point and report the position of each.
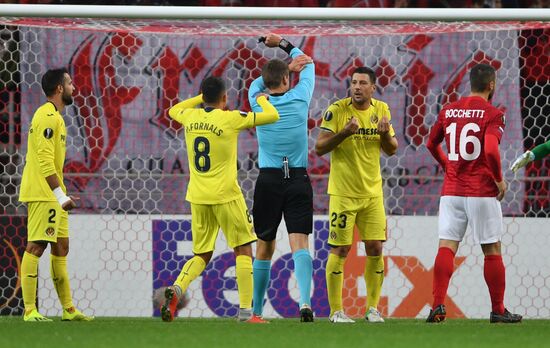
(273, 73)
(212, 89)
(480, 77)
(365, 70)
(53, 78)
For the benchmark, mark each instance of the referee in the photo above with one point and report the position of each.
(283, 186)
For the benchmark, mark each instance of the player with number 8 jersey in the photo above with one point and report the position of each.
(211, 136)
(473, 186)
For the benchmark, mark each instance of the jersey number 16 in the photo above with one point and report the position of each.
(463, 141)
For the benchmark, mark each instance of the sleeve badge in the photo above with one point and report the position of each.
(48, 133)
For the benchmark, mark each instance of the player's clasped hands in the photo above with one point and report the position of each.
(384, 125)
(351, 127)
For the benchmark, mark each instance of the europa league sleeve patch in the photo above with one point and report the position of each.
(243, 113)
(328, 116)
(48, 133)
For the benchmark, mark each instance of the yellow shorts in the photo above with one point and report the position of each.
(367, 213)
(232, 217)
(47, 221)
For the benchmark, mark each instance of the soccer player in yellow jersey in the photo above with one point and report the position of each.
(43, 189)
(354, 130)
(211, 137)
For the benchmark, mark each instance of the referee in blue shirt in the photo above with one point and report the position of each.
(283, 186)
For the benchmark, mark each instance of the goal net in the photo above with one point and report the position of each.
(127, 160)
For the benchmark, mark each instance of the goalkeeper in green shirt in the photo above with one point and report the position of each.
(538, 153)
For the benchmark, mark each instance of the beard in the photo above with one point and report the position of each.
(359, 100)
(67, 99)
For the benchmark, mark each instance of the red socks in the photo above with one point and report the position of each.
(443, 270)
(493, 271)
(495, 277)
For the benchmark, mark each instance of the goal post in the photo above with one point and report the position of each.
(127, 160)
(271, 13)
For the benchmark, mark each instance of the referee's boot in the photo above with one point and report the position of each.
(306, 314)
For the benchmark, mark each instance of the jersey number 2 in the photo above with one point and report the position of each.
(463, 140)
(202, 149)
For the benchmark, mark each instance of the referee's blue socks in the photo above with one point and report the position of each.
(303, 270)
(262, 272)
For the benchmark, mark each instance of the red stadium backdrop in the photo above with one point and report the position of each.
(126, 81)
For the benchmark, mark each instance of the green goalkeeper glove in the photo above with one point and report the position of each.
(522, 161)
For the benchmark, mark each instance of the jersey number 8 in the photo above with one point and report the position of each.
(202, 149)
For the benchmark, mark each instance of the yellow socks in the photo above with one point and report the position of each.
(374, 277)
(245, 281)
(60, 277)
(335, 281)
(29, 279)
(191, 270)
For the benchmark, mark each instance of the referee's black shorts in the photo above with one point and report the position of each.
(275, 196)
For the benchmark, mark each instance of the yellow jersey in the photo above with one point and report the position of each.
(211, 137)
(46, 146)
(355, 162)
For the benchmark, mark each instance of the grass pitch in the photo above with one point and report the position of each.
(282, 333)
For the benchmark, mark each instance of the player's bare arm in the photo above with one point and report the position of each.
(387, 142)
(328, 141)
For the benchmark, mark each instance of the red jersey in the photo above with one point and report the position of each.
(464, 124)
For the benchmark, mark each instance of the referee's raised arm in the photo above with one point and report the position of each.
(283, 186)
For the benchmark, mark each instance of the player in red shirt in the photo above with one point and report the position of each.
(472, 189)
